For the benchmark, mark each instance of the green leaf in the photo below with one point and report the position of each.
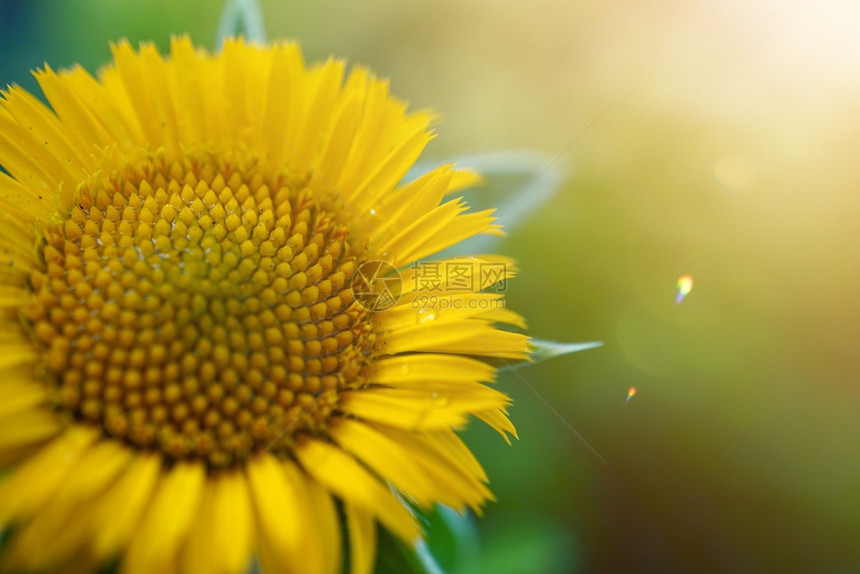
(453, 540)
(422, 552)
(521, 542)
(450, 546)
(241, 17)
(543, 350)
(395, 557)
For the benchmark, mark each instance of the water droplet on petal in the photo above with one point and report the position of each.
(425, 316)
(439, 400)
(404, 369)
(372, 212)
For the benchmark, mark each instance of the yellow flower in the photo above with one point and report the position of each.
(188, 379)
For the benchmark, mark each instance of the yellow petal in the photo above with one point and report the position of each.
(13, 456)
(234, 64)
(468, 337)
(154, 72)
(325, 83)
(362, 539)
(345, 477)
(196, 119)
(418, 308)
(166, 521)
(413, 200)
(14, 355)
(39, 478)
(283, 106)
(77, 120)
(418, 409)
(232, 523)
(327, 522)
(428, 225)
(26, 428)
(21, 398)
(122, 505)
(17, 236)
(465, 179)
(456, 485)
(345, 122)
(389, 171)
(499, 422)
(425, 368)
(96, 469)
(35, 172)
(379, 120)
(447, 441)
(12, 296)
(281, 512)
(129, 82)
(385, 457)
(46, 130)
(107, 105)
(201, 554)
(457, 229)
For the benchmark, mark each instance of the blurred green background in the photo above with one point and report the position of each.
(727, 150)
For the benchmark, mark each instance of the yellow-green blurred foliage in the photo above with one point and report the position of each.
(726, 151)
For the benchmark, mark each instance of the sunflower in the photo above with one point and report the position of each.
(189, 380)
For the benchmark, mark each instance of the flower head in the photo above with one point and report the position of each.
(188, 377)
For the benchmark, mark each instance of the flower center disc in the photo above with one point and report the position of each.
(194, 308)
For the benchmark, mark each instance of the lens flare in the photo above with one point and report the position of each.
(631, 392)
(685, 285)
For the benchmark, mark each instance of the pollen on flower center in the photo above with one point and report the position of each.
(191, 307)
